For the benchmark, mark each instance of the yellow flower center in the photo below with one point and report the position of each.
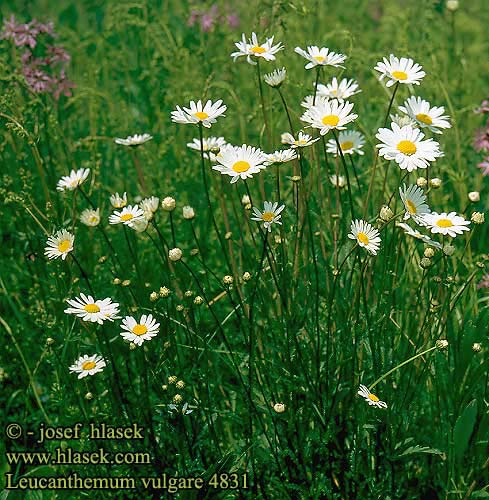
(139, 329)
(89, 365)
(407, 147)
(423, 118)
(64, 246)
(126, 217)
(363, 238)
(201, 115)
(411, 207)
(258, 50)
(267, 216)
(331, 120)
(91, 308)
(373, 398)
(301, 142)
(319, 59)
(93, 219)
(241, 166)
(400, 75)
(346, 145)
(444, 223)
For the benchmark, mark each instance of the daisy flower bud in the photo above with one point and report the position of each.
(164, 292)
(425, 263)
(172, 379)
(88, 396)
(188, 212)
(441, 344)
(177, 398)
(126, 283)
(227, 280)
(198, 300)
(279, 407)
(478, 218)
(180, 384)
(49, 341)
(448, 250)
(168, 204)
(474, 196)
(246, 276)
(435, 183)
(476, 347)
(245, 200)
(429, 253)
(175, 254)
(452, 5)
(386, 213)
(275, 78)
(189, 293)
(179, 308)
(116, 281)
(153, 296)
(421, 182)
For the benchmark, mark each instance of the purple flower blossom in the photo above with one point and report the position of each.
(483, 108)
(481, 139)
(194, 15)
(484, 165)
(233, 20)
(484, 282)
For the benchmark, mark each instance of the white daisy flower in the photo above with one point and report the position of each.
(133, 140)
(253, 48)
(90, 217)
(88, 365)
(351, 142)
(196, 113)
(275, 78)
(327, 115)
(403, 121)
(95, 311)
(341, 91)
(414, 201)
(281, 156)
(406, 147)
(424, 115)
(59, 245)
(419, 236)
(72, 181)
(309, 100)
(118, 201)
(150, 206)
(138, 332)
(365, 235)
(270, 215)
(302, 141)
(240, 161)
(451, 224)
(321, 57)
(127, 216)
(371, 399)
(402, 70)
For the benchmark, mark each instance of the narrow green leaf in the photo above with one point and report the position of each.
(464, 426)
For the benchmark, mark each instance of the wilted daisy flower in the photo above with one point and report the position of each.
(321, 57)
(89, 309)
(337, 180)
(59, 245)
(72, 181)
(327, 115)
(240, 161)
(270, 215)
(88, 365)
(276, 77)
(403, 120)
(406, 147)
(341, 91)
(402, 70)
(211, 145)
(150, 206)
(138, 332)
(424, 115)
(207, 114)
(451, 224)
(140, 225)
(281, 156)
(419, 236)
(309, 100)
(90, 217)
(253, 48)
(414, 201)
(133, 140)
(351, 142)
(118, 201)
(365, 235)
(302, 141)
(127, 216)
(371, 399)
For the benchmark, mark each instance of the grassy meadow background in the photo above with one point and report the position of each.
(302, 331)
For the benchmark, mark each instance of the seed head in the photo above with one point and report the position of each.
(168, 204)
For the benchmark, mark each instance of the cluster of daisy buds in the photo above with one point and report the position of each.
(43, 63)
